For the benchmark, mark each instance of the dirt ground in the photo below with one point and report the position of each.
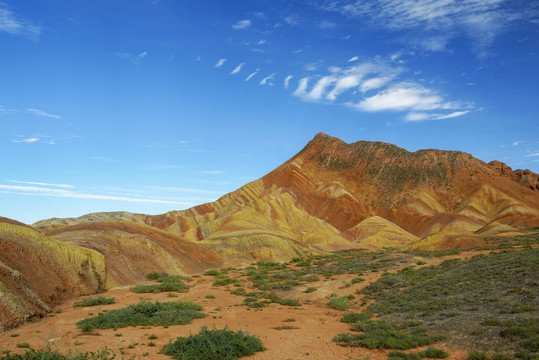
(286, 332)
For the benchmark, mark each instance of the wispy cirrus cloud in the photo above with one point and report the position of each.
(43, 113)
(220, 63)
(211, 172)
(41, 183)
(14, 25)
(481, 20)
(237, 69)
(268, 80)
(134, 59)
(47, 191)
(241, 25)
(27, 141)
(286, 82)
(252, 74)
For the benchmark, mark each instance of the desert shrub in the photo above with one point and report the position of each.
(224, 281)
(477, 355)
(162, 287)
(211, 272)
(399, 355)
(339, 302)
(381, 334)
(146, 314)
(97, 300)
(287, 302)
(48, 354)
(309, 290)
(357, 280)
(499, 356)
(433, 353)
(214, 345)
(154, 275)
(355, 317)
(210, 296)
(23, 345)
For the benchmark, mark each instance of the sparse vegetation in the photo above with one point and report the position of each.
(214, 345)
(96, 300)
(145, 313)
(339, 302)
(48, 354)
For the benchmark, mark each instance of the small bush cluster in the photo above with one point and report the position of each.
(339, 302)
(166, 282)
(146, 314)
(214, 345)
(381, 334)
(48, 354)
(93, 301)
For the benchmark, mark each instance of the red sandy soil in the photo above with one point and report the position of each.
(287, 333)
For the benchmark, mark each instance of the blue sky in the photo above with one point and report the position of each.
(157, 105)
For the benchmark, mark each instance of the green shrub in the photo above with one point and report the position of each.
(146, 314)
(211, 272)
(48, 354)
(210, 296)
(357, 280)
(154, 275)
(499, 356)
(214, 345)
(339, 302)
(433, 353)
(288, 302)
(23, 345)
(162, 287)
(381, 334)
(224, 281)
(309, 290)
(477, 355)
(399, 355)
(92, 301)
(355, 317)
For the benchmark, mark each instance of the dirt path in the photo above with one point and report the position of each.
(287, 333)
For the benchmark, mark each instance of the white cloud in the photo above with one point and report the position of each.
(326, 25)
(220, 63)
(530, 155)
(252, 74)
(135, 59)
(481, 20)
(287, 81)
(268, 80)
(302, 87)
(352, 59)
(421, 116)
(375, 83)
(10, 24)
(41, 183)
(42, 191)
(343, 84)
(403, 96)
(242, 24)
(237, 69)
(43, 113)
(291, 20)
(27, 141)
(517, 143)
